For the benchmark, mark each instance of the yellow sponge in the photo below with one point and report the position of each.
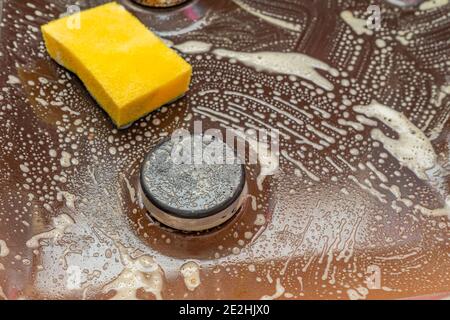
(125, 67)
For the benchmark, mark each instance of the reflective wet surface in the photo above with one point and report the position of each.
(350, 203)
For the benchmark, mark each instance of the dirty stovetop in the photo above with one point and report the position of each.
(353, 204)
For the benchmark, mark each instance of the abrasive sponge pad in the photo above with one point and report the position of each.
(125, 67)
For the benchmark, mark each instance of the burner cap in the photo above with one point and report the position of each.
(192, 183)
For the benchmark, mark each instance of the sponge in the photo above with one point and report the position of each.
(124, 66)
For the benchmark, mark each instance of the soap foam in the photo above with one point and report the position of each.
(412, 149)
(191, 275)
(60, 224)
(438, 212)
(432, 4)
(272, 20)
(289, 63)
(4, 250)
(357, 25)
(192, 47)
(142, 272)
(279, 290)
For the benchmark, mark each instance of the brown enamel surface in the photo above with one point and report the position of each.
(320, 238)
